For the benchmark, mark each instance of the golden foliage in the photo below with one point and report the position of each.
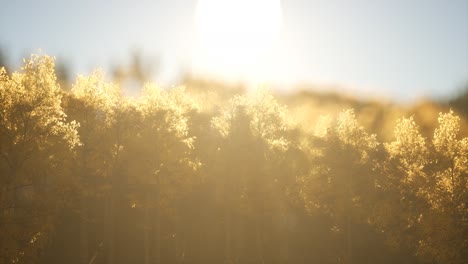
(238, 170)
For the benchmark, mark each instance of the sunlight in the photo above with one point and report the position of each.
(233, 35)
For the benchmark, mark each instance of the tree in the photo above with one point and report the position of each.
(342, 182)
(97, 105)
(164, 143)
(255, 133)
(33, 129)
(431, 179)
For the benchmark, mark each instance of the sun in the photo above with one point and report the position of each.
(233, 34)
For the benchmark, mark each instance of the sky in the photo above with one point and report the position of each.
(393, 48)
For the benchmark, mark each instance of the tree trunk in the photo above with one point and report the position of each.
(111, 228)
(146, 228)
(258, 225)
(259, 240)
(158, 219)
(227, 235)
(349, 234)
(84, 232)
(349, 239)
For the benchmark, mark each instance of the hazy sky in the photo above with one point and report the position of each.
(403, 49)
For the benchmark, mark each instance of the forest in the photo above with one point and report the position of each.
(210, 173)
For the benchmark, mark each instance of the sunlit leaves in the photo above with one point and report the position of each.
(97, 94)
(33, 125)
(341, 154)
(239, 168)
(31, 103)
(171, 107)
(351, 133)
(266, 119)
(409, 148)
(452, 157)
(433, 184)
(445, 136)
(164, 137)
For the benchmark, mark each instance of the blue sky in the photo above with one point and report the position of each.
(400, 49)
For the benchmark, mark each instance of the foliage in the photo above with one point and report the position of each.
(35, 139)
(172, 176)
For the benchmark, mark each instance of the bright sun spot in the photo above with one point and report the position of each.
(232, 35)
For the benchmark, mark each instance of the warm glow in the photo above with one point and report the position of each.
(232, 35)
